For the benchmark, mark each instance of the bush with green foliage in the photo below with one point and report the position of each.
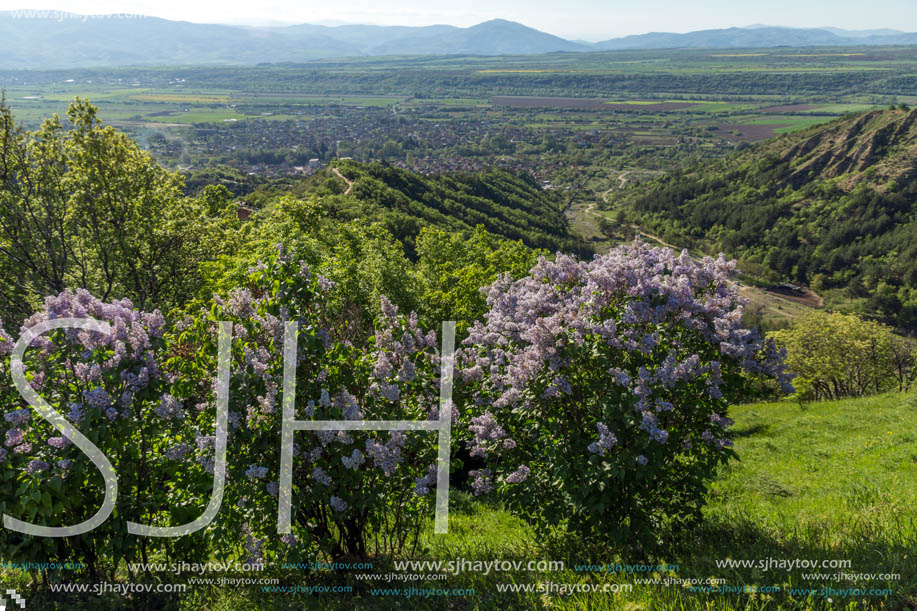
(597, 392)
(842, 355)
(352, 491)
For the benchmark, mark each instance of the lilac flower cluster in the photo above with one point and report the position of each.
(91, 374)
(354, 460)
(256, 472)
(6, 342)
(423, 484)
(635, 299)
(606, 440)
(18, 417)
(612, 366)
(338, 504)
(519, 475)
(169, 408)
(482, 482)
(387, 456)
(35, 466)
(178, 452)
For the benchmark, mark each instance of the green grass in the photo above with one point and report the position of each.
(823, 481)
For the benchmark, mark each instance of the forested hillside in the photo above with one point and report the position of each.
(511, 205)
(831, 206)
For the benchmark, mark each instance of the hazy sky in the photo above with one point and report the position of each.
(586, 19)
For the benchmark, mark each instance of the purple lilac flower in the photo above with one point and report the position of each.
(485, 429)
(320, 476)
(606, 440)
(35, 466)
(206, 462)
(76, 412)
(422, 484)
(97, 398)
(58, 442)
(482, 482)
(256, 472)
(14, 437)
(324, 284)
(18, 417)
(169, 408)
(6, 343)
(519, 475)
(354, 460)
(254, 547)
(178, 452)
(643, 460)
(387, 456)
(338, 504)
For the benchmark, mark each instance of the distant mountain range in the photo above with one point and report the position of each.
(31, 42)
(758, 37)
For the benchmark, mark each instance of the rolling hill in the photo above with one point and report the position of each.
(507, 204)
(832, 206)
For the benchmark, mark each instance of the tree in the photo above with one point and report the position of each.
(841, 355)
(86, 207)
(452, 267)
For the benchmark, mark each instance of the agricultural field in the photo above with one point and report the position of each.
(670, 107)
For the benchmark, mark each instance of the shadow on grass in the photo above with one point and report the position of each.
(877, 547)
(755, 429)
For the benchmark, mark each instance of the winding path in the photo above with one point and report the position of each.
(349, 182)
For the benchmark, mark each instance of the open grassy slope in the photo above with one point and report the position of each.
(823, 481)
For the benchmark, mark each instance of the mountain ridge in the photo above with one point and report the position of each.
(35, 42)
(833, 206)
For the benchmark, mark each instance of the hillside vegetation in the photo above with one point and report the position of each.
(509, 205)
(831, 206)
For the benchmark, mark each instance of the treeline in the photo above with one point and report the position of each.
(659, 71)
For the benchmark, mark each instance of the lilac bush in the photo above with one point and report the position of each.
(597, 392)
(108, 386)
(352, 490)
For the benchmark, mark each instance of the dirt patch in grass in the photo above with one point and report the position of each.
(747, 132)
(805, 296)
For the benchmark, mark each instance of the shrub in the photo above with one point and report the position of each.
(841, 355)
(352, 491)
(598, 390)
(109, 387)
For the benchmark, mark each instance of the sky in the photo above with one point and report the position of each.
(591, 20)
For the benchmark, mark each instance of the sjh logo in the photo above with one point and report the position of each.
(442, 426)
(16, 599)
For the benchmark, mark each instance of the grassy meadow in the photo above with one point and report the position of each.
(821, 481)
